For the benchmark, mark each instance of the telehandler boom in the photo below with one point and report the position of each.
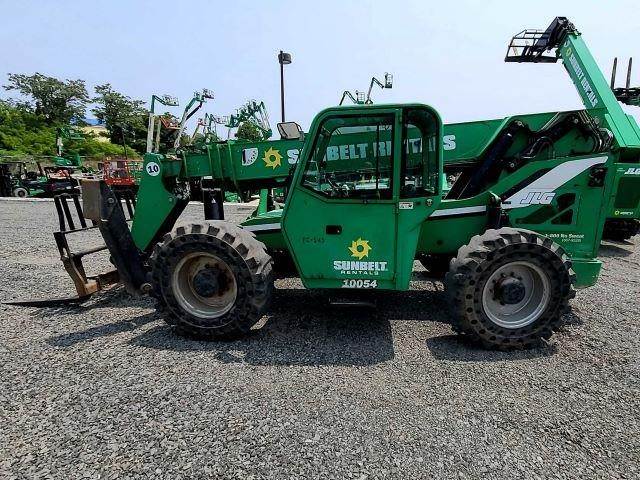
(519, 228)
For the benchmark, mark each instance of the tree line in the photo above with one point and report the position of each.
(28, 124)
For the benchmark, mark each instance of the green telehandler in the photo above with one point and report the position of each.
(519, 227)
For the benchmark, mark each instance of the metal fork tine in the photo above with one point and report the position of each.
(76, 202)
(67, 213)
(56, 201)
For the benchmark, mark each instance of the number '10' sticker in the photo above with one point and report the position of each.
(153, 168)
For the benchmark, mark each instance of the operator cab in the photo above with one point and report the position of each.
(367, 179)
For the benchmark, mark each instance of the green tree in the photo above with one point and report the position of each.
(22, 132)
(250, 132)
(92, 146)
(124, 118)
(55, 100)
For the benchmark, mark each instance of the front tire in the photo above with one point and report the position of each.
(213, 281)
(509, 288)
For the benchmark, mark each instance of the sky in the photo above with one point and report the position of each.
(445, 54)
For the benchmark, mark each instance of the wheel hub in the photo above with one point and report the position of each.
(510, 291)
(208, 282)
(204, 285)
(516, 294)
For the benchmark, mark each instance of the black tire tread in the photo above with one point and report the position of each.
(254, 269)
(476, 257)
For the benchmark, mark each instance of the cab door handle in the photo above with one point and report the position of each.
(333, 229)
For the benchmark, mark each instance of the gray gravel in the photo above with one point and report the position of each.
(107, 391)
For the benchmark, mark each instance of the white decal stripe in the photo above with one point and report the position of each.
(551, 180)
(458, 211)
(263, 226)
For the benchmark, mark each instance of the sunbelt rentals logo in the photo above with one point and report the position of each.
(272, 158)
(360, 249)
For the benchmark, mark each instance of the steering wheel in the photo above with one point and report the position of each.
(337, 190)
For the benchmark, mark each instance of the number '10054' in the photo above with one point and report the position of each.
(353, 283)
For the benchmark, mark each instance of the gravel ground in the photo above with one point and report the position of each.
(105, 390)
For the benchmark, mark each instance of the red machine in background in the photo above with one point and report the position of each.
(122, 175)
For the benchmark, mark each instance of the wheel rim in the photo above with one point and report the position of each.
(204, 285)
(516, 295)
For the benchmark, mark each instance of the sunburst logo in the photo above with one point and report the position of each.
(360, 248)
(272, 158)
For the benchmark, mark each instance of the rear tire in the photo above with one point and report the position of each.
(509, 288)
(213, 281)
(620, 230)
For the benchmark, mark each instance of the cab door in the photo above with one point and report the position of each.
(421, 180)
(340, 219)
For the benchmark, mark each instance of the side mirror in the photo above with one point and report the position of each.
(290, 131)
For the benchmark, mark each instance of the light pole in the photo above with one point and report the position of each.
(284, 58)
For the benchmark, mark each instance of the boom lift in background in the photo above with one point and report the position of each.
(253, 112)
(209, 129)
(520, 226)
(155, 126)
(200, 123)
(360, 98)
(208, 126)
(190, 110)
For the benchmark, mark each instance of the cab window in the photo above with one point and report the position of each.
(352, 158)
